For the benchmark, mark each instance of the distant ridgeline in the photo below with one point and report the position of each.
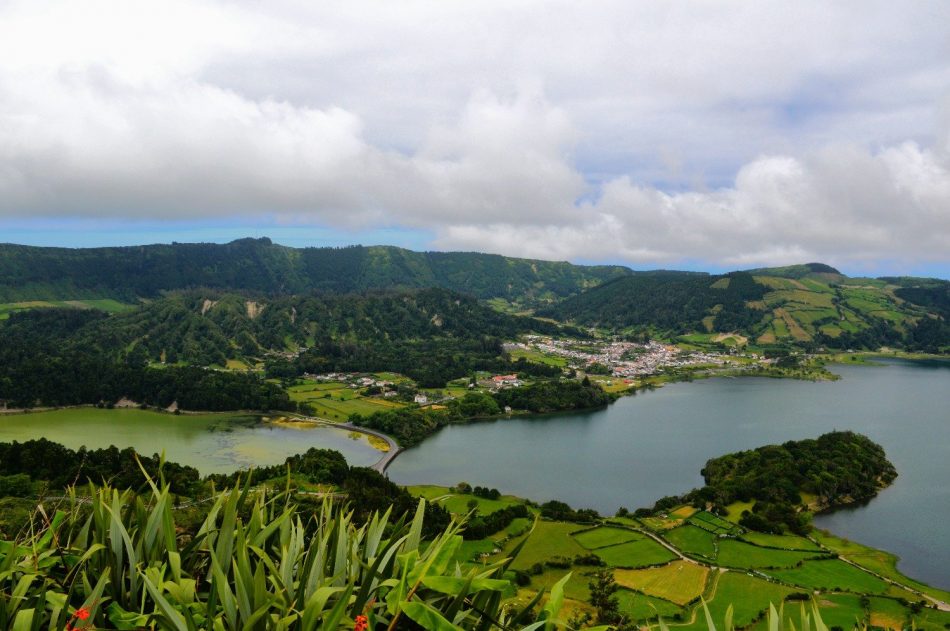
(809, 305)
(785, 483)
(206, 303)
(265, 268)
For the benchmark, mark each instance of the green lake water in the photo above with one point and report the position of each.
(654, 444)
(212, 443)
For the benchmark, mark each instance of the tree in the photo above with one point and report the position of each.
(602, 597)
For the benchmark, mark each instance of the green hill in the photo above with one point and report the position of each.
(812, 305)
(258, 265)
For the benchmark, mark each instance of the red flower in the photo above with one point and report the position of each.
(82, 613)
(362, 623)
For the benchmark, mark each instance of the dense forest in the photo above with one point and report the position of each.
(837, 468)
(262, 267)
(52, 357)
(666, 302)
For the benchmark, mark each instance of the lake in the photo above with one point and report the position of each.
(655, 443)
(212, 443)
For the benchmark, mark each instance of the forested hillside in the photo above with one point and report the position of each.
(812, 305)
(258, 265)
(68, 356)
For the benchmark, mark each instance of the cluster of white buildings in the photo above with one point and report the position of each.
(624, 359)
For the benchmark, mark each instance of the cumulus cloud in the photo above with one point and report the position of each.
(737, 134)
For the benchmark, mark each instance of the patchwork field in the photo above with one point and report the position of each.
(549, 539)
(678, 582)
(788, 542)
(749, 597)
(635, 554)
(738, 554)
(602, 537)
(831, 574)
(642, 607)
(337, 401)
(692, 540)
(712, 523)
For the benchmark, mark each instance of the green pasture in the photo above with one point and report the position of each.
(712, 523)
(738, 554)
(635, 554)
(734, 511)
(549, 539)
(605, 536)
(749, 597)
(642, 607)
(678, 582)
(692, 540)
(788, 542)
(932, 620)
(457, 503)
(102, 304)
(832, 575)
(878, 561)
(538, 357)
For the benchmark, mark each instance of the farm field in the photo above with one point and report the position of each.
(749, 597)
(878, 561)
(604, 536)
(788, 542)
(337, 401)
(692, 540)
(737, 554)
(642, 607)
(678, 582)
(549, 539)
(887, 613)
(635, 554)
(711, 523)
(102, 304)
(457, 503)
(831, 574)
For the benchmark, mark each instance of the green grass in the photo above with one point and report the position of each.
(749, 597)
(635, 554)
(734, 511)
(878, 561)
(576, 588)
(538, 357)
(887, 613)
(103, 304)
(831, 574)
(932, 620)
(692, 540)
(457, 503)
(640, 607)
(789, 542)
(712, 523)
(837, 610)
(738, 554)
(549, 539)
(679, 582)
(842, 610)
(601, 537)
(469, 550)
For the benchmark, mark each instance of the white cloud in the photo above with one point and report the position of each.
(538, 129)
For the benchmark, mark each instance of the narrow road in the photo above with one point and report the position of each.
(388, 457)
(384, 462)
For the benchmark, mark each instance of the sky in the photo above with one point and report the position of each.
(690, 134)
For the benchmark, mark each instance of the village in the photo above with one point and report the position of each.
(620, 358)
